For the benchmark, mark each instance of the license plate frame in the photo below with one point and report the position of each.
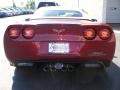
(58, 48)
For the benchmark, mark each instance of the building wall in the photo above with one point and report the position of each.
(107, 11)
(113, 11)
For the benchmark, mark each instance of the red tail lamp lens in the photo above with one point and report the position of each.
(13, 33)
(89, 34)
(105, 34)
(28, 33)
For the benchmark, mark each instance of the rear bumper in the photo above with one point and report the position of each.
(28, 51)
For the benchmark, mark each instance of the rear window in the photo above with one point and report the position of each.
(59, 13)
(45, 4)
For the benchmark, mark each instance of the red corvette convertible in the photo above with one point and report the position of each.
(59, 39)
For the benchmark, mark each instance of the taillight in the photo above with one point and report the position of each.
(28, 33)
(104, 34)
(89, 34)
(13, 33)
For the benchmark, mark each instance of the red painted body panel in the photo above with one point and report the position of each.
(36, 49)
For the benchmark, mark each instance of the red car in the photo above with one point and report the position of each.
(59, 39)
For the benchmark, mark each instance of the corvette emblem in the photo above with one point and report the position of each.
(58, 31)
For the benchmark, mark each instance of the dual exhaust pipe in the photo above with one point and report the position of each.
(68, 67)
(58, 67)
(62, 67)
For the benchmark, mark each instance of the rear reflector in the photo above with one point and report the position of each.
(104, 34)
(13, 33)
(24, 64)
(89, 34)
(28, 33)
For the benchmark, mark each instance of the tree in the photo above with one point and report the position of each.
(30, 4)
(14, 5)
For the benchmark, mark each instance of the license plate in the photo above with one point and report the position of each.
(59, 48)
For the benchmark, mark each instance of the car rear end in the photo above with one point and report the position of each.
(89, 45)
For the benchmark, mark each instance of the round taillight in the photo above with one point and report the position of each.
(104, 34)
(89, 34)
(13, 33)
(28, 33)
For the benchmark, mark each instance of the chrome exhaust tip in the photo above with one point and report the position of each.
(64, 69)
(52, 69)
(58, 66)
(71, 69)
(46, 69)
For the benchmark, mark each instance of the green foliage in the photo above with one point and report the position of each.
(30, 4)
(14, 6)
